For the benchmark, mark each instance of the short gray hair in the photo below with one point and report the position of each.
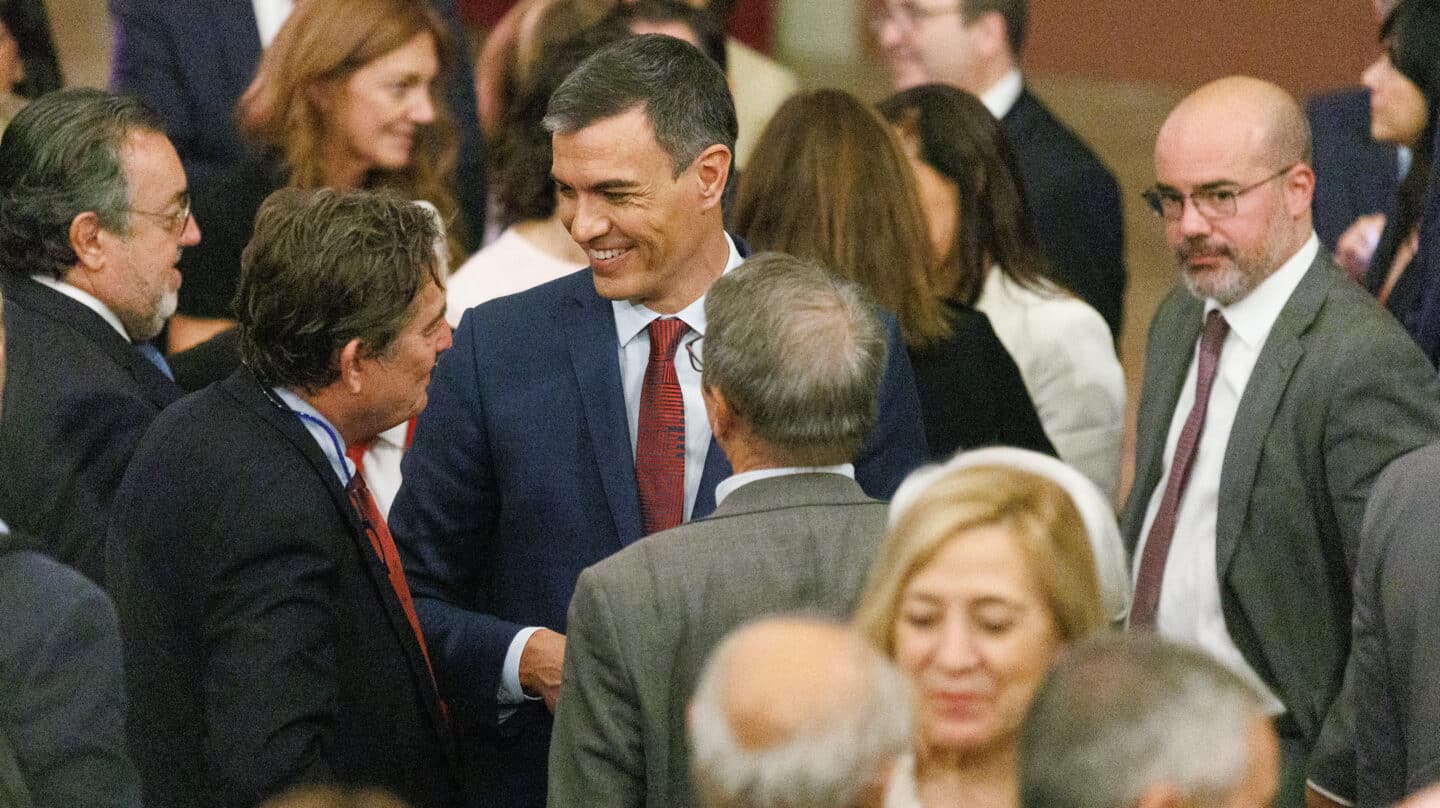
(681, 90)
(829, 762)
(61, 157)
(1122, 713)
(798, 352)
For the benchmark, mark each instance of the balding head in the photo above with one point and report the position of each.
(796, 712)
(1243, 146)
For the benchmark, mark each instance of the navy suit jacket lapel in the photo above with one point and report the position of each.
(589, 324)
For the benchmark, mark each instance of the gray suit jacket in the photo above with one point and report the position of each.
(1339, 390)
(643, 622)
(1397, 636)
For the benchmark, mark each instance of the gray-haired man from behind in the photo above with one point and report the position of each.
(790, 364)
(1137, 722)
(797, 712)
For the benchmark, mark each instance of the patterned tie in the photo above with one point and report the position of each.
(384, 544)
(660, 438)
(1157, 546)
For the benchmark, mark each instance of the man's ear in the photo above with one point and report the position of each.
(350, 357)
(712, 171)
(1299, 189)
(989, 35)
(86, 236)
(718, 411)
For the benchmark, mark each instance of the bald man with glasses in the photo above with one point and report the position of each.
(1275, 391)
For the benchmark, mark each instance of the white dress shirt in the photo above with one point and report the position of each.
(728, 486)
(269, 16)
(325, 434)
(1003, 94)
(1189, 610)
(382, 465)
(631, 323)
(86, 299)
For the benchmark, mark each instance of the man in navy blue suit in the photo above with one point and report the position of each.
(554, 435)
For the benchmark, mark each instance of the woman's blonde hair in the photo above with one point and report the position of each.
(1037, 512)
(320, 45)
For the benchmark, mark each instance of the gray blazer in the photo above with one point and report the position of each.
(643, 622)
(1339, 390)
(1397, 635)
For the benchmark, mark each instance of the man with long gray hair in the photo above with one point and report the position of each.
(792, 357)
(797, 713)
(1137, 722)
(94, 210)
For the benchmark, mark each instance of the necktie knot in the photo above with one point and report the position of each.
(665, 333)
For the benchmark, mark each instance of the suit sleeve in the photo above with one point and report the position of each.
(1383, 410)
(596, 752)
(444, 522)
(70, 703)
(896, 445)
(270, 623)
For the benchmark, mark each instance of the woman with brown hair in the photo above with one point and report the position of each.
(981, 231)
(828, 182)
(346, 96)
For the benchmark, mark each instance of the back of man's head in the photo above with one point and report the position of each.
(698, 26)
(683, 93)
(797, 352)
(61, 157)
(794, 713)
(1132, 720)
(325, 267)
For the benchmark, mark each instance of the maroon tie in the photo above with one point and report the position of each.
(660, 438)
(1162, 530)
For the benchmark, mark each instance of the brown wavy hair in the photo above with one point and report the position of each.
(316, 50)
(827, 181)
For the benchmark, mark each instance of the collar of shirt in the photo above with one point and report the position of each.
(270, 15)
(343, 467)
(86, 299)
(4, 528)
(395, 435)
(1003, 94)
(727, 486)
(632, 318)
(1252, 316)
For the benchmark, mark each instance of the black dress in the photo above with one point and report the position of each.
(971, 393)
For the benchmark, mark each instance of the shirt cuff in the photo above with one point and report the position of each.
(510, 692)
(1328, 794)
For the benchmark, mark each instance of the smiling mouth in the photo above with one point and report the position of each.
(606, 255)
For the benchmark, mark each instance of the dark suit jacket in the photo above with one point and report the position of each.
(1354, 175)
(1397, 638)
(644, 621)
(62, 692)
(191, 61)
(77, 400)
(521, 475)
(1338, 392)
(264, 645)
(1076, 201)
(971, 393)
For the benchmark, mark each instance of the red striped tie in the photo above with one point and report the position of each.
(660, 438)
(1157, 546)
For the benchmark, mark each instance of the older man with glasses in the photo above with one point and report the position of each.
(1275, 391)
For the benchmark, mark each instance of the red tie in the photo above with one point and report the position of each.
(384, 544)
(660, 438)
(1157, 547)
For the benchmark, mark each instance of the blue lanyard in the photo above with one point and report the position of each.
(334, 441)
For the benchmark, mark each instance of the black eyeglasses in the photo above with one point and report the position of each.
(697, 355)
(174, 222)
(1212, 203)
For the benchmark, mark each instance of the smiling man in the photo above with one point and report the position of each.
(94, 211)
(1275, 391)
(568, 421)
(270, 636)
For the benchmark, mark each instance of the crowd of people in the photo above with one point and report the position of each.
(758, 452)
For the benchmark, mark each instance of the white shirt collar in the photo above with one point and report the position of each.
(727, 486)
(269, 16)
(84, 298)
(1252, 316)
(395, 435)
(1003, 94)
(632, 318)
(327, 436)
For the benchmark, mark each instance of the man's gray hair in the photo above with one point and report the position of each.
(683, 93)
(829, 762)
(61, 157)
(797, 352)
(1122, 713)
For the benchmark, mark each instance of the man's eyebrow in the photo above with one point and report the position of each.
(603, 185)
(1218, 185)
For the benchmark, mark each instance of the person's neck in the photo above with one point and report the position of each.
(344, 172)
(708, 264)
(331, 402)
(549, 236)
(988, 779)
(748, 455)
(985, 76)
